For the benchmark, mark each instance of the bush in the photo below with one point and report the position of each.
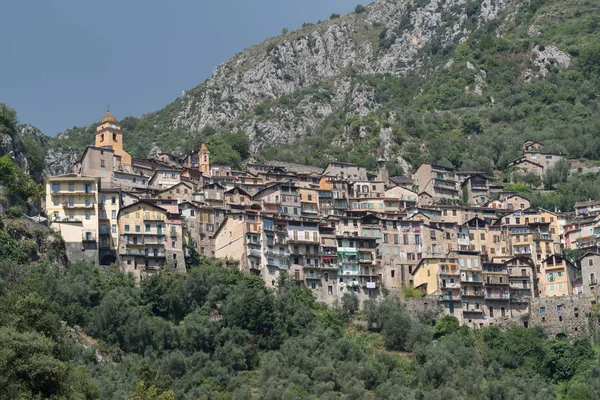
(359, 9)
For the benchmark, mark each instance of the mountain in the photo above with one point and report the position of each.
(455, 82)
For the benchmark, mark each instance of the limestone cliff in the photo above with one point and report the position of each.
(389, 37)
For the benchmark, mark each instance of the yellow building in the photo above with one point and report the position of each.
(108, 135)
(556, 277)
(72, 209)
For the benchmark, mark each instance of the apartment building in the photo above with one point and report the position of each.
(151, 237)
(437, 182)
(73, 208)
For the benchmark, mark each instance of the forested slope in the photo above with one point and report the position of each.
(83, 333)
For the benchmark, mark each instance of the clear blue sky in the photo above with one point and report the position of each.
(63, 61)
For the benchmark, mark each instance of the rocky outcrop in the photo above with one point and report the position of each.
(59, 161)
(10, 143)
(390, 37)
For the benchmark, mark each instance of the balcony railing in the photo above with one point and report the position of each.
(473, 293)
(472, 278)
(498, 296)
(78, 206)
(450, 285)
(88, 237)
(447, 297)
(254, 252)
(313, 275)
(449, 272)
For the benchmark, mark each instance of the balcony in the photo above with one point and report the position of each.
(473, 293)
(253, 252)
(497, 296)
(152, 239)
(156, 255)
(473, 310)
(313, 275)
(104, 232)
(496, 281)
(542, 236)
(76, 206)
(449, 272)
(522, 250)
(471, 278)
(450, 285)
(88, 237)
(85, 192)
(329, 266)
(448, 297)
(444, 184)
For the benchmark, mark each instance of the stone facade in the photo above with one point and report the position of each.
(561, 315)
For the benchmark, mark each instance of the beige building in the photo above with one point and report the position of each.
(151, 238)
(72, 208)
(437, 181)
(108, 242)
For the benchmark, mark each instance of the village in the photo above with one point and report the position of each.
(481, 253)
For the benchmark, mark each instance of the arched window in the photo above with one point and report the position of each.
(102, 137)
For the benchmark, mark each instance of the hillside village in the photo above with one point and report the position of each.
(481, 252)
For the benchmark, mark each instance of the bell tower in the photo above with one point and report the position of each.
(108, 135)
(204, 159)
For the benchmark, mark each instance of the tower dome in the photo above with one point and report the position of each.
(108, 117)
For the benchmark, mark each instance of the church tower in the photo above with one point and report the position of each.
(204, 159)
(108, 135)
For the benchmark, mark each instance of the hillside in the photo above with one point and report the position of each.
(453, 82)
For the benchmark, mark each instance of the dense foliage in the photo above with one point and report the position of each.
(87, 333)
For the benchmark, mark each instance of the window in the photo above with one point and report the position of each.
(591, 263)
(393, 273)
(114, 214)
(126, 228)
(55, 187)
(87, 215)
(102, 164)
(559, 307)
(71, 187)
(114, 229)
(147, 227)
(55, 201)
(138, 228)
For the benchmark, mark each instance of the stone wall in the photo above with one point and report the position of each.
(558, 315)
(426, 309)
(77, 251)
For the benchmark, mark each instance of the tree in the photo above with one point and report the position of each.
(284, 31)
(359, 9)
(556, 175)
(350, 305)
(334, 16)
(446, 326)
(471, 124)
(145, 392)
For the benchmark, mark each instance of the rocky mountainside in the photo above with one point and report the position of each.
(456, 82)
(388, 37)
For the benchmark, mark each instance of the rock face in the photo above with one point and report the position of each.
(10, 143)
(387, 38)
(59, 161)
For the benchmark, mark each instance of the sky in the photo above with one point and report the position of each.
(64, 61)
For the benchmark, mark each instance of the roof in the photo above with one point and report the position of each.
(203, 147)
(108, 118)
(401, 180)
(587, 203)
